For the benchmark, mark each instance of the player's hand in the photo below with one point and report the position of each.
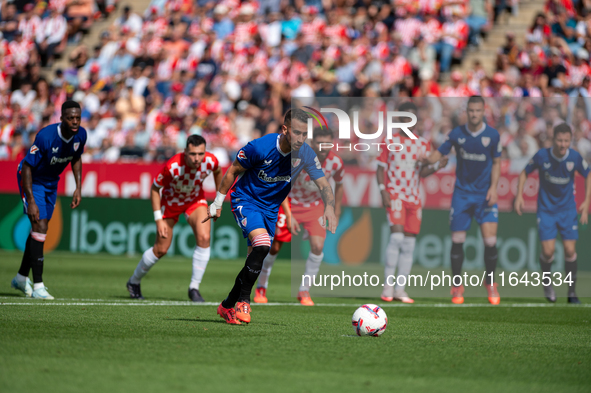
(330, 219)
(518, 205)
(217, 215)
(492, 196)
(584, 211)
(288, 222)
(162, 229)
(294, 228)
(33, 212)
(443, 162)
(386, 201)
(76, 198)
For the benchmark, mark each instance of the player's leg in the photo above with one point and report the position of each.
(491, 256)
(313, 262)
(547, 231)
(260, 294)
(412, 227)
(149, 259)
(571, 268)
(460, 217)
(396, 218)
(202, 251)
(21, 281)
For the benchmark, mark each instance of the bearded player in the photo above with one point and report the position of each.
(181, 183)
(398, 175)
(307, 209)
(478, 150)
(282, 236)
(557, 209)
(263, 171)
(55, 146)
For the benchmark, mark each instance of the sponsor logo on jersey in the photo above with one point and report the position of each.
(54, 150)
(34, 149)
(570, 166)
(461, 140)
(547, 165)
(264, 177)
(267, 162)
(58, 160)
(472, 157)
(557, 180)
(485, 141)
(76, 146)
(242, 155)
(295, 162)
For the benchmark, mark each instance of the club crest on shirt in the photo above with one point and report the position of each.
(570, 166)
(76, 146)
(295, 162)
(34, 149)
(485, 141)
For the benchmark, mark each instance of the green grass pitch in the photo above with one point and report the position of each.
(93, 338)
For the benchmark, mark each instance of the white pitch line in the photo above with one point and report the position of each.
(179, 303)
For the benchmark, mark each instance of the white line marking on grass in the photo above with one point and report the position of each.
(105, 302)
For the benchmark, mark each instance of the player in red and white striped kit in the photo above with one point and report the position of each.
(398, 176)
(181, 183)
(307, 208)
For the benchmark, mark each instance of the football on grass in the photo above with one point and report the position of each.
(369, 320)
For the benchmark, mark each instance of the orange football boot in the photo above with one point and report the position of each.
(305, 299)
(243, 311)
(493, 294)
(457, 294)
(228, 314)
(260, 295)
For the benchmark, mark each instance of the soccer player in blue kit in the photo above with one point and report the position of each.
(478, 150)
(264, 170)
(557, 209)
(55, 146)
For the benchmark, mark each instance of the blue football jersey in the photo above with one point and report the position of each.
(51, 153)
(557, 179)
(475, 153)
(267, 180)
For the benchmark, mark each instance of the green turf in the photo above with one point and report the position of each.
(92, 347)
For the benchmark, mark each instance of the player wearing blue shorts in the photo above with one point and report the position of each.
(478, 150)
(264, 170)
(557, 209)
(55, 146)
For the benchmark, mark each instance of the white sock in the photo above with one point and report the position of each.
(200, 259)
(38, 285)
(20, 278)
(312, 268)
(392, 252)
(266, 270)
(405, 260)
(148, 260)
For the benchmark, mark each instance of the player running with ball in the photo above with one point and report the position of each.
(478, 150)
(181, 182)
(55, 146)
(263, 171)
(307, 209)
(398, 175)
(557, 209)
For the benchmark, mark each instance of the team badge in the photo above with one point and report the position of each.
(34, 149)
(242, 155)
(76, 146)
(295, 162)
(485, 141)
(570, 166)
(243, 222)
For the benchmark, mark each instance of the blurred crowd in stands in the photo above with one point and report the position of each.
(228, 69)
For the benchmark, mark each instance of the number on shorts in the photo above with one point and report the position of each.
(396, 205)
(281, 220)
